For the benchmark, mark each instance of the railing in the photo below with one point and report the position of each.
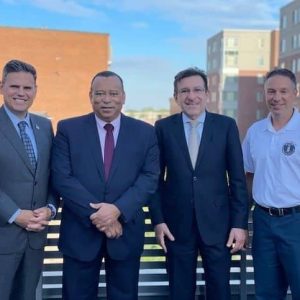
(153, 283)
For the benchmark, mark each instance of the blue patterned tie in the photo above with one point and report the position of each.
(27, 143)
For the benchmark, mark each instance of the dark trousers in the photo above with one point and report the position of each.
(182, 264)
(276, 255)
(20, 273)
(80, 279)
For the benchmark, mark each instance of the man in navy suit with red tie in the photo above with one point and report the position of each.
(105, 167)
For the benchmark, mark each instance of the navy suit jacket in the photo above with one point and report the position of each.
(215, 192)
(78, 176)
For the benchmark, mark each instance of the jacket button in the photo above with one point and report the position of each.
(195, 178)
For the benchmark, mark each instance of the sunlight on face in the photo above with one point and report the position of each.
(192, 96)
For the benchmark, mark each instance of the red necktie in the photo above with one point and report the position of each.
(108, 148)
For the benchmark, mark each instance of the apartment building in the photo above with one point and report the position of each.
(289, 56)
(237, 61)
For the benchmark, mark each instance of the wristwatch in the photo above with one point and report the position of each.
(53, 211)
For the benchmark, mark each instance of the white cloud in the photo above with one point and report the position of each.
(209, 15)
(68, 7)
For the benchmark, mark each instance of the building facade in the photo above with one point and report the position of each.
(65, 62)
(290, 38)
(237, 61)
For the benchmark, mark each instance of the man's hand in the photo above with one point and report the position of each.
(24, 217)
(40, 219)
(105, 215)
(162, 230)
(237, 239)
(114, 231)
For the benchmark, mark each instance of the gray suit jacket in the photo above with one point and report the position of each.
(20, 186)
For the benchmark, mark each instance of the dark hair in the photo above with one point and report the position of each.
(282, 72)
(187, 73)
(107, 74)
(18, 66)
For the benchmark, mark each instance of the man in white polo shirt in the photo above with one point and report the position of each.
(272, 162)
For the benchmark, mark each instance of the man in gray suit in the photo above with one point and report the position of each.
(26, 203)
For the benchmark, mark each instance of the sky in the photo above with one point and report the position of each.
(151, 40)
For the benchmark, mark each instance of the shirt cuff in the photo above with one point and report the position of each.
(12, 219)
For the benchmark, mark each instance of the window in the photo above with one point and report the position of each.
(259, 97)
(260, 79)
(294, 65)
(230, 113)
(295, 16)
(231, 42)
(258, 114)
(283, 22)
(231, 58)
(214, 46)
(261, 61)
(283, 46)
(230, 80)
(261, 43)
(298, 65)
(294, 41)
(229, 96)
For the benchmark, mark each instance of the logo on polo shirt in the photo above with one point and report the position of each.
(288, 148)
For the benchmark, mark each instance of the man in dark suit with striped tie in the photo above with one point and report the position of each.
(26, 202)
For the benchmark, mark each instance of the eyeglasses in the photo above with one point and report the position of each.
(196, 91)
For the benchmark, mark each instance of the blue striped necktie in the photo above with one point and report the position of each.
(27, 143)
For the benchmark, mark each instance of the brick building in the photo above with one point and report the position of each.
(65, 62)
(237, 61)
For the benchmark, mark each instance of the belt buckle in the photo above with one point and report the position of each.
(274, 211)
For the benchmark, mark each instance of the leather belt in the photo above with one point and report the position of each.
(279, 212)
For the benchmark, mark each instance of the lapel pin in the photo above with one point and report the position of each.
(37, 127)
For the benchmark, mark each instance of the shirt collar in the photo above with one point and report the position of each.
(15, 119)
(116, 122)
(200, 119)
(292, 124)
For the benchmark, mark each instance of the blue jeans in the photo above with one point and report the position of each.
(276, 255)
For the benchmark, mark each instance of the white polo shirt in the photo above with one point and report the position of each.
(274, 158)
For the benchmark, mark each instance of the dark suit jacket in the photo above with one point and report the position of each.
(215, 192)
(20, 186)
(78, 176)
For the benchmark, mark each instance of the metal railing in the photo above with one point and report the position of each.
(153, 282)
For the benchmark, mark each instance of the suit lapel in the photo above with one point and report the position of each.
(93, 141)
(206, 136)
(38, 135)
(178, 130)
(9, 131)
